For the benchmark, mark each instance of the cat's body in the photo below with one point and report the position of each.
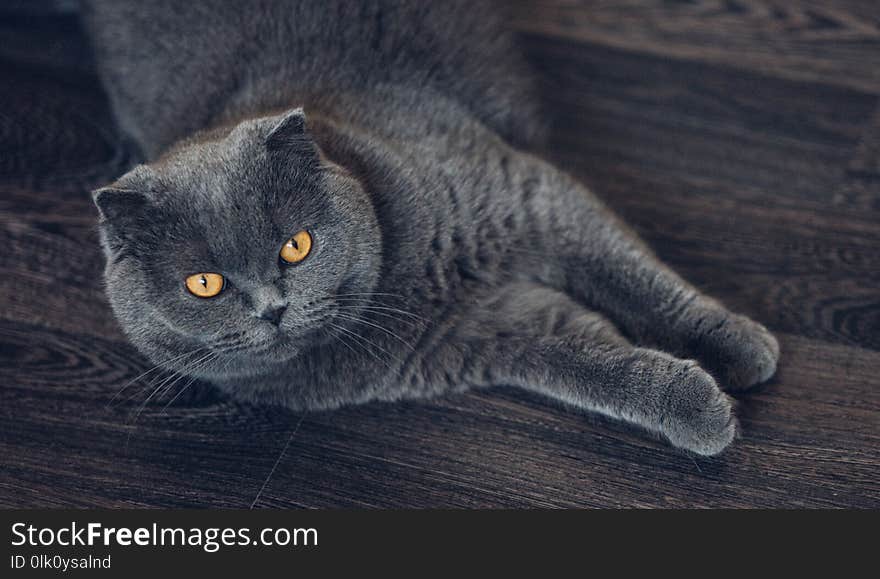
(173, 68)
(444, 257)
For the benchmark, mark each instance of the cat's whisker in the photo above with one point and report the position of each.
(378, 327)
(360, 302)
(381, 349)
(366, 294)
(380, 312)
(338, 336)
(377, 304)
(160, 365)
(191, 381)
(205, 361)
(175, 375)
(180, 374)
(201, 363)
(176, 396)
(369, 305)
(357, 342)
(198, 368)
(152, 383)
(365, 343)
(156, 382)
(159, 382)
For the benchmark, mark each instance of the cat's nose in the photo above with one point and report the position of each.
(272, 314)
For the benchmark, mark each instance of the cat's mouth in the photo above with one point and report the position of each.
(284, 341)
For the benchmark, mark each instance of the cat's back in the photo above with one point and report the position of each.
(171, 67)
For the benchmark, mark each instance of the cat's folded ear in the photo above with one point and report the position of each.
(127, 198)
(289, 132)
(116, 204)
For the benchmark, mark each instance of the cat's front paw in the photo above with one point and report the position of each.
(740, 352)
(699, 415)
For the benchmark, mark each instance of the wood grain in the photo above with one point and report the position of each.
(65, 446)
(745, 147)
(829, 42)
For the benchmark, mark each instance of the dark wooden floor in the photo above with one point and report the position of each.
(741, 138)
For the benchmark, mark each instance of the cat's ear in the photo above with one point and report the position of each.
(127, 198)
(290, 130)
(115, 204)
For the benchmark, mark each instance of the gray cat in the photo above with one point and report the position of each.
(335, 210)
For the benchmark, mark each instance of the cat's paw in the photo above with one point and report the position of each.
(740, 352)
(699, 416)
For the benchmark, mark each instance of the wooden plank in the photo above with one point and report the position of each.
(834, 43)
(761, 187)
(861, 188)
(809, 439)
(57, 131)
(609, 106)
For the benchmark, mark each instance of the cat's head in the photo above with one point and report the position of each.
(238, 248)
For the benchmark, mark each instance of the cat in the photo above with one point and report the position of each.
(336, 208)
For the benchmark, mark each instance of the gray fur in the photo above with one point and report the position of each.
(445, 258)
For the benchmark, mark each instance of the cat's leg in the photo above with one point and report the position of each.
(611, 269)
(539, 339)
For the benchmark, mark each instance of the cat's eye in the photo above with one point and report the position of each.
(297, 247)
(205, 285)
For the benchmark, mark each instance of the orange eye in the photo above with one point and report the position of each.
(205, 285)
(297, 247)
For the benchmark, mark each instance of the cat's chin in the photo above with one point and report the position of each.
(245, 363)
(281, 350)
(278, 351)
